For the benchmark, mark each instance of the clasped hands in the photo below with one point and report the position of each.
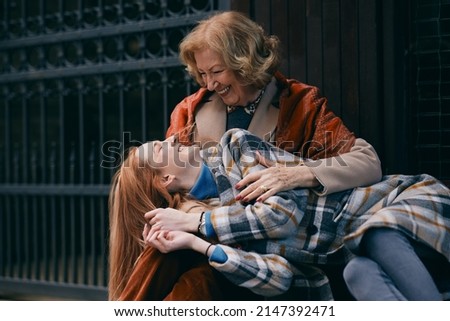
(168, 229)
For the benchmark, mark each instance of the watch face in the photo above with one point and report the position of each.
(203, 227)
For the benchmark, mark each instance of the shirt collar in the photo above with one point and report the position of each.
(205, 187)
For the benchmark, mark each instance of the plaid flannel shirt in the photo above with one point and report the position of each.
(309, 230)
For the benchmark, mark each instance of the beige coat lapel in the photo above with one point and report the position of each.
(266, 116)
(210, 119)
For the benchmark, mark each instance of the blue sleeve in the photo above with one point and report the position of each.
(218, 255)
(210, 232)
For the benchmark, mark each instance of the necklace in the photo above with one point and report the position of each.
(251, 107)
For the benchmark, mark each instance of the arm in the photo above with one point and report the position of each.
(276, 218)
(359, 167)
(266, 275)
(307, 126)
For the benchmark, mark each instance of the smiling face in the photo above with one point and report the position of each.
(178, 165)
(222, 80)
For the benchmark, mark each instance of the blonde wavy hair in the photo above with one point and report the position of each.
(244, 46)
(135, 190)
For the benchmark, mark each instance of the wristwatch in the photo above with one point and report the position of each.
(202, 226)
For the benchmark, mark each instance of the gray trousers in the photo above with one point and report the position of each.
(396, 268)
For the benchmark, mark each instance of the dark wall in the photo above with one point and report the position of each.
(430, 85)
(357, 53)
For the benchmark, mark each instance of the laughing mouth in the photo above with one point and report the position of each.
(224, 91)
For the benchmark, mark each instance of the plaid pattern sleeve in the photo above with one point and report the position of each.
(277, 217)
(264, 274)
(418, 205)
(271, 275)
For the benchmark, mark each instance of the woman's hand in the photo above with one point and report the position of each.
(275, 178)
(170, 219)
(168, 241)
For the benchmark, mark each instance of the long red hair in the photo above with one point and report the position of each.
(135, 190)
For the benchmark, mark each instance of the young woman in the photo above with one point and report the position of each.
(296, 232)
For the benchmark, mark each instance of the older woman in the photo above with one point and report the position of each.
(236, 64)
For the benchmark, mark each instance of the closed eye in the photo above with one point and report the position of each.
(176, 143)
(156, 148)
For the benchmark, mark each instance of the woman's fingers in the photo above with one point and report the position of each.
(261, 177)
(152, 234)
(248, 181)
(145, 231)
(260, 188)
(150, 215)
(264, 161)
(267, 182)
(157, 239)
(260, 194)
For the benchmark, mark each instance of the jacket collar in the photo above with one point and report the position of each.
(210, 118)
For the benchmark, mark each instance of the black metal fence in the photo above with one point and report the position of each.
(79, 82)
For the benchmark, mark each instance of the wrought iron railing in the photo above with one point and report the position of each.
(80, 81)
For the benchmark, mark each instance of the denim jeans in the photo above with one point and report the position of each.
(393, 268)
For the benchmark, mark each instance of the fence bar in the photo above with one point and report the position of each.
(68, 76)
